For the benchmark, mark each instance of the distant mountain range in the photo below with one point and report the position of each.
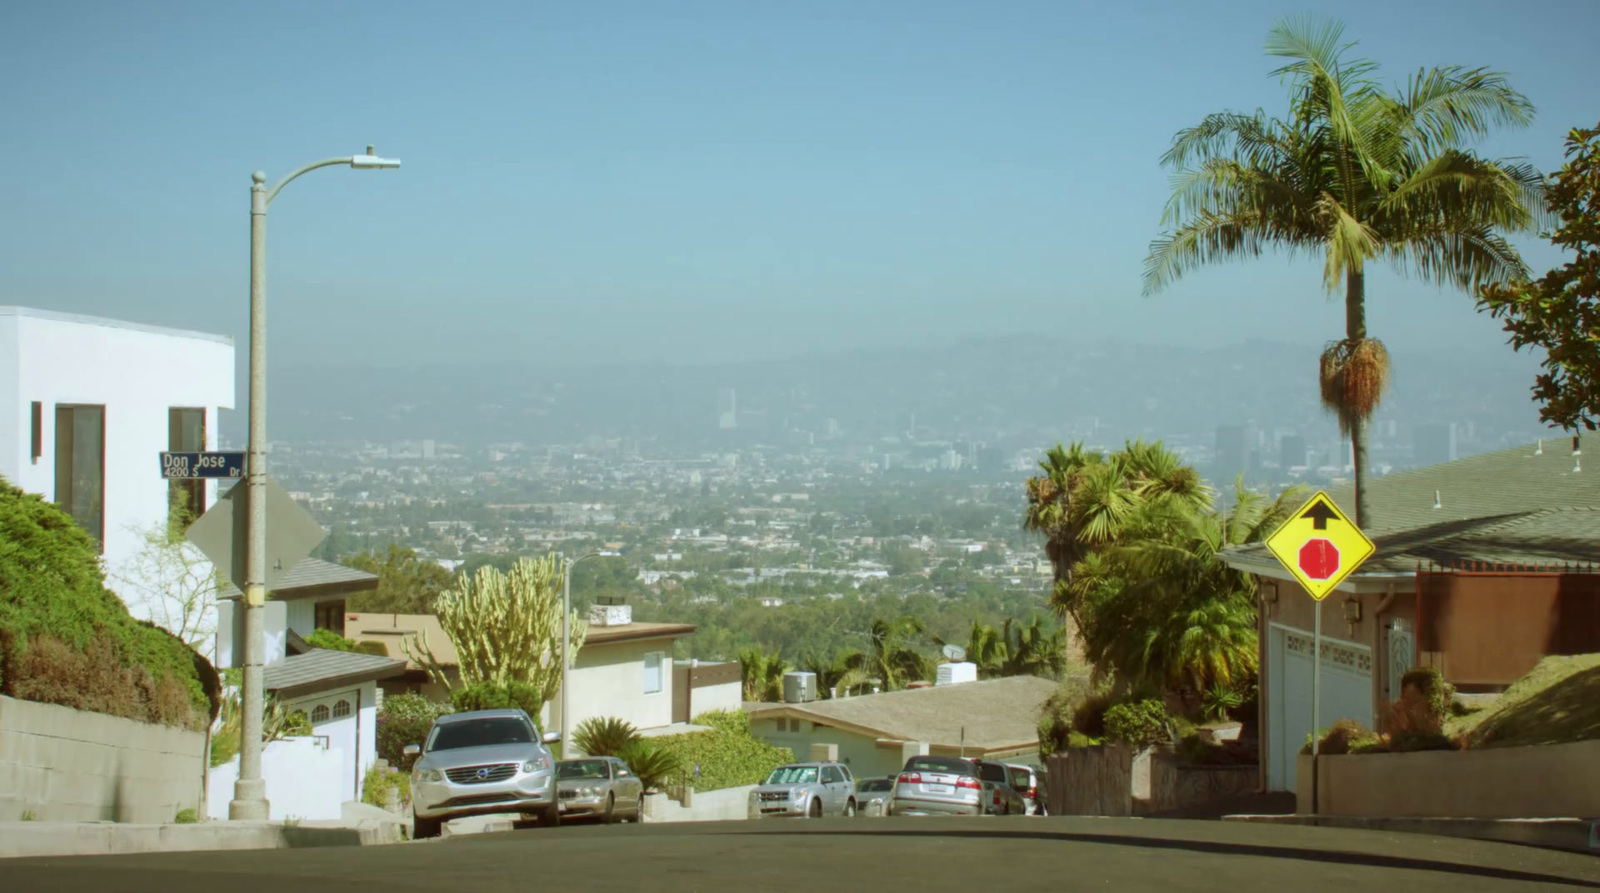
(1010, 391)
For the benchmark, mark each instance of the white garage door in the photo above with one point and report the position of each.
(338, 717)
(1346, 694)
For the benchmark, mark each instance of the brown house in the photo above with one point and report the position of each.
(1483, 565)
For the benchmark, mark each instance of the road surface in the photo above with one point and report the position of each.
(911, 855)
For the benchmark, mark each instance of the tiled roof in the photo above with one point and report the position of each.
(314, 573)
(322, 668)
(996, 713)
(1524, 506)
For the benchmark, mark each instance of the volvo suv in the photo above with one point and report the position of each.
(479, 763)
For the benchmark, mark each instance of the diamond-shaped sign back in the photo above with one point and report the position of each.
(291, 533)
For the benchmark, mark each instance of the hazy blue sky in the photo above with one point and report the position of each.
(694, 181)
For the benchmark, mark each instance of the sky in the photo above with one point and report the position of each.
(610, 182)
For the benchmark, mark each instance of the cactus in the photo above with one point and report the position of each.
(505, 627)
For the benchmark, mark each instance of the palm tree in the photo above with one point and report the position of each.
(1169, 611)
(1087, 501)
(892, 659)
(1354, 174)
(1034, 652)
(837, 675)
(762, 674)
(986, 647)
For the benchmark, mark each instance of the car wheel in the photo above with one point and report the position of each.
(425, 828)
(850, 809)
(611, 809)
(816, 808)
(551, 817)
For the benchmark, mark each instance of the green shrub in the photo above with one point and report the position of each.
(379, 779)
(1089, 716)
(1220, 701)
(653, 765)
(1406, 742)
(405, 719)
(186, 817)
(603, 736)
(52, 590)
(726, 756)
(332, 641)
(1055, 720)
(488, 696)
(1138, 724)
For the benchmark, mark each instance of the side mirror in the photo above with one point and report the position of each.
(411, 750)
(551, 737)
(622, 773)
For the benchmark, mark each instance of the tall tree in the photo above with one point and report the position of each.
(893, 658)
(1561, 311)
(986, 647)
(1353, 174)
(407, 583)
(762, 674)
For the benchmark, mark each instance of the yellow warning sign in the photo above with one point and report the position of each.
(1319, 545)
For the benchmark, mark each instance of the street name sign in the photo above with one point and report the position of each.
(291, 533)
(1319, 545)
(202, 465)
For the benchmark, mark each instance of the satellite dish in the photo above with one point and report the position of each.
(955, 652)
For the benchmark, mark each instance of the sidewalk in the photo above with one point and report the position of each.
(362, 825)
(1576, 835)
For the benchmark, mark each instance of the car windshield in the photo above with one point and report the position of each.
(875, 784)
(582, 769)
(793, 775)
(949, 765)
(480, 733)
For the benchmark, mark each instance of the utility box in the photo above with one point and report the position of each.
(799, 687)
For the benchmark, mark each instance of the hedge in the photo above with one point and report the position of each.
(728, 755)
(402, 720)
(66, 639)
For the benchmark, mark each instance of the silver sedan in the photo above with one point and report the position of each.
(601, 787)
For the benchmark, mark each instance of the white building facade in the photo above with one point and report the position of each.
(88, 404)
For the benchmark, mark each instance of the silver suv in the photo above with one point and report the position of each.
(805, 789)
(482, 762)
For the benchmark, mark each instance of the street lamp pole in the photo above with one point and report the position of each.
(250, 791)
(566, 640)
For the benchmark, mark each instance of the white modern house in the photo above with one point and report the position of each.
(88, 404)
(309, 778)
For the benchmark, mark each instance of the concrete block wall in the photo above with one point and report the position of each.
(66, 765)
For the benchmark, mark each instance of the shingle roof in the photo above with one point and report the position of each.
(996, 713)
(321, 668)
(1525, 505)
(312, 576)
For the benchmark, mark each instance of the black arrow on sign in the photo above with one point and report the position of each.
(1320, 514)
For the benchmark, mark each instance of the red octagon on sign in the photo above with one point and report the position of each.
(1319, 559)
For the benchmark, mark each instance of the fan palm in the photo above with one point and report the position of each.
(837, 675)
(892, 658)
(762, 674)
(985, 646)
(1031, 651)
(1354, 174)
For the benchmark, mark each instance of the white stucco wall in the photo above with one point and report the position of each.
(303, 779)
(608, 680)
(706, 698)
(137, 373)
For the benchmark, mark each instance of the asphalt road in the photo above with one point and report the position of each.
(912, 855)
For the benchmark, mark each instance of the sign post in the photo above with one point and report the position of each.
(1319, 546)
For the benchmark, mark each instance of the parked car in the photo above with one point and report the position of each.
(930, 785)
(812, 790)
(1028, 781)
(873, 796)
(999, 797)
(602, 787)
(479, 763)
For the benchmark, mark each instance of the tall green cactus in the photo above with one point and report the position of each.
(505, 627)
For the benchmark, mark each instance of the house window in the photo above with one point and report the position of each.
(81, 466)
(186, 433)
(319, 713)
(330, 616)
(341, 709)
(36, 417)
(652, 672)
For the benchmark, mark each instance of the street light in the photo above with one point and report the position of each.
(566, 636)
(250, 791)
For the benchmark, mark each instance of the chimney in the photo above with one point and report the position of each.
(609, 611)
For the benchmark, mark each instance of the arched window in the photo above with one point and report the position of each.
(319, 713)
(341, 709)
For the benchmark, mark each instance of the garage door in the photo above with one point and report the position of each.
(1346, 693)
(338, 717)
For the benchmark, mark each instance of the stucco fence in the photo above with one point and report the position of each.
(1545, 781)
(58, 764)
(728, 804)
(1113, 780)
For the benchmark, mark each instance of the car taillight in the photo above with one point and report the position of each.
(911, 777)
(969, 783)
(1033, 793)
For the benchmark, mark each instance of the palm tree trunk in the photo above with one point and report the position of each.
(1355, 328)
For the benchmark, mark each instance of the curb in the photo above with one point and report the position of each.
(1574, 835)
(24, 839)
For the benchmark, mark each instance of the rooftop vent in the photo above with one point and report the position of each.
(955, 673)
(610, 615)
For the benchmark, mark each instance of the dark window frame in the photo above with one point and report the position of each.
(329, 616)
(66, 442)
(36, 423)
(188, 494)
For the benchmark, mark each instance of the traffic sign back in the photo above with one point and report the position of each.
(291, 533)
(1320, 546)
